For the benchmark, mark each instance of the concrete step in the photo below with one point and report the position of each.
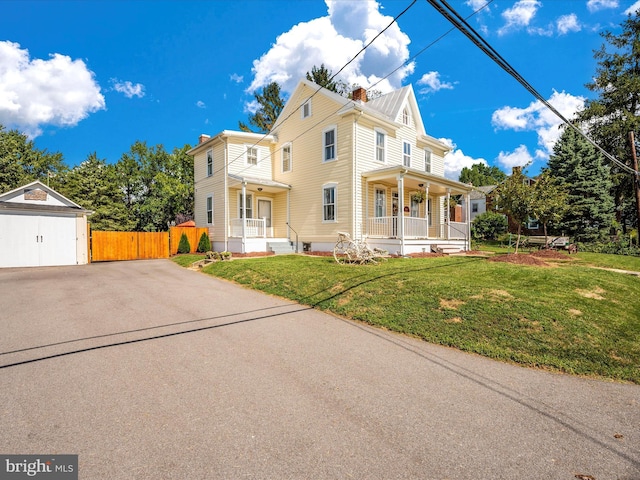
(446, 249)
(280, 248)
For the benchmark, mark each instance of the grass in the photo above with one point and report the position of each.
(186, 259)
(567, 317)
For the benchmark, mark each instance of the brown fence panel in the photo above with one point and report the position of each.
(108, 246)
(153, 245)
(193, 235)
(112, 246)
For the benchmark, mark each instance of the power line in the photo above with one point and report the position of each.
(443, 7)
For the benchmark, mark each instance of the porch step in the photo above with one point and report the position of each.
(446, 249)
(280, 248)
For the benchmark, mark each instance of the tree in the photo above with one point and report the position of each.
(94, 185)
(21, 162)
(184, 246)
(270, 104)
(550, 201)
(322, 76)
(616, 111)
(581, 170)
(514, 199)
(480, 175)
(204, 245)
(488, 225)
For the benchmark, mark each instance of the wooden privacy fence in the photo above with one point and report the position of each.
(112, 246)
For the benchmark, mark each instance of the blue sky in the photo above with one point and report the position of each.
(90, 76)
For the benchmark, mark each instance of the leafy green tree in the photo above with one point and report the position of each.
(481, 175)
(610, 117)
(488, 225)
(550, 201)
(514, 198)
(581, 170)
(94, 185)
(21, 162)
(270, 104)
(184, 246)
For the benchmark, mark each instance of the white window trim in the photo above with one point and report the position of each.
(428, 153)
(210, 164)
(404, 142)
(385, 191)
(302, 108)
(246, 155)
(290, 158)
(384, 146)
(249, 204)
(406, 116)
(207, 210)
(334, 186)
(335, 143)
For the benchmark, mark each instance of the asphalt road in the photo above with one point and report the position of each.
(148, 370)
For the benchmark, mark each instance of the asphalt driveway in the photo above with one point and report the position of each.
(148, 370)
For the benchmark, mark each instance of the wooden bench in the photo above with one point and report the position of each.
(551, 243)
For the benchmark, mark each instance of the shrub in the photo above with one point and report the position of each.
(622, 245)
(488, 226)
(225, 255)
(184, 246)
(204, 245)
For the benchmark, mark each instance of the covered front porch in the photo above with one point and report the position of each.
(410, 211)
(257, 214)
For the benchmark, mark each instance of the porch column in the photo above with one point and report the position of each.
(366, 209)
(244, 216)
(426, 205)
(467, 203)
(448, 213)
(401, 211)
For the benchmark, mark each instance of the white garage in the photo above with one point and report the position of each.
(40, 227)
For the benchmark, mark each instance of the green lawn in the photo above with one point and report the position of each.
(567, 317)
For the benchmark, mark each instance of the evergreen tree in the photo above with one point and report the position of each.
(270, 104)
(581, 170)
(322, 76)
(616, 111)
(482, 175)
(204, 245)
(184, 246)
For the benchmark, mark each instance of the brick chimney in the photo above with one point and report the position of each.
(203, 138)
(359, 95)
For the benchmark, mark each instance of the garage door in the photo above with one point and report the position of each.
(37, 240)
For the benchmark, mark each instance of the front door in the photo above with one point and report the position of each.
(264, 211)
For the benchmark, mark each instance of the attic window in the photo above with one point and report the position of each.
(35, 194)
(406, 116)
(306, 109)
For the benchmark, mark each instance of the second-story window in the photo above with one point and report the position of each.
(427, 161)
(252, 155)
(286, 158)
(329, 145)
(305, 110)
(209, 163)
(406, 154)
(380, 147)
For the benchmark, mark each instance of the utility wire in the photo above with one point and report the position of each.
(443, 7)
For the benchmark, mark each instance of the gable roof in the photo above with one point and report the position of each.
(17, 199)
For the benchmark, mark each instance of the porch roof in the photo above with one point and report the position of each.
(414, 178)
(267, 185)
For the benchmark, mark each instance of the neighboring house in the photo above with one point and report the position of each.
(367, 168)
(478, 200)
(40, 227)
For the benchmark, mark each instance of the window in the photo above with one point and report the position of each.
(305, 111)
(329, 144)
(406, 154)
(329, 203)
(210, 210)
(474, 207)
(380, 146)
(406, 116)
(249, 206)
(286, 158)
(380, 203)
(251, 155)
(532, 224)
(427, 161)
(415, 207)
(209, 163)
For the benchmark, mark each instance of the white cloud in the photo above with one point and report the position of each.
(537, 117)
(595, 5)
(633, 8)
(518, 158)
(128, 89)
(520, 15)
(236, 78)
(476, 4)
(456, 160)
(201, 104)
(432, 83)
(334, 40)
(568, 23)
(33, 93)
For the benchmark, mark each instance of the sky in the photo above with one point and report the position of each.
(94, 76)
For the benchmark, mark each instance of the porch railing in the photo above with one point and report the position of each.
(387, 227)
(254, 227)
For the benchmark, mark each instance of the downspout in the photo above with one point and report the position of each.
(226, 199)
(354, 181)
(468, 219)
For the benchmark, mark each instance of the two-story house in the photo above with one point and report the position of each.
(329, 165)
